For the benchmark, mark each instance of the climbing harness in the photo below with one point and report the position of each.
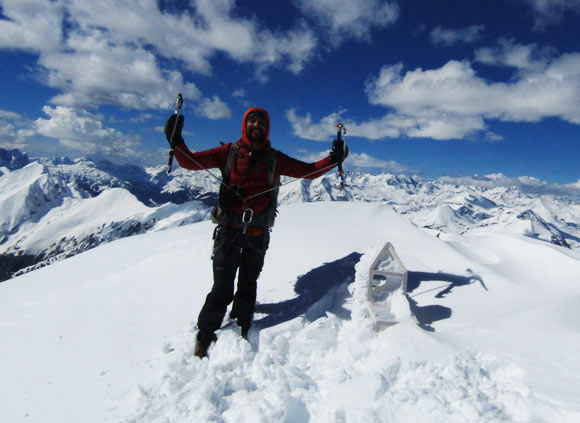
(178, 105)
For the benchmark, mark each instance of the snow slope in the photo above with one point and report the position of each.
(108, 334)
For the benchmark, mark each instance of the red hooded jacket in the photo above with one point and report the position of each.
(248, 173)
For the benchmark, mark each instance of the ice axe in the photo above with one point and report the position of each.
(341, 130)
(178, 105)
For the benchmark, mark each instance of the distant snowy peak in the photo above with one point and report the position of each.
(11, 160)
(152, 186)
(27, 194)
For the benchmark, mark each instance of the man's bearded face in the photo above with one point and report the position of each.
(256, 129)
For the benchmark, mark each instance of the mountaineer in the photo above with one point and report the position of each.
(244, 213)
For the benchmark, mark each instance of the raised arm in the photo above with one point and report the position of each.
(207, 159)
(288, 166)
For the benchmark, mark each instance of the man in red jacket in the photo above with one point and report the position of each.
(244, 213)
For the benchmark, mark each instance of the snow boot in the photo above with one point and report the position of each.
(202, 344)
(245, 332)
(233, 316)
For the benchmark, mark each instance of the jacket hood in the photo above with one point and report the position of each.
(266, 143)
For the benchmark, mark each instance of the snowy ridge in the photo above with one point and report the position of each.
(79, 225)
(27, 195)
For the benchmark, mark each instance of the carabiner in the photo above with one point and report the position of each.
(245, 219)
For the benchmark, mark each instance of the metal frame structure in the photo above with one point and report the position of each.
(387, 276)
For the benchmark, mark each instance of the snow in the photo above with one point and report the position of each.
(27, 194)
(108, 335)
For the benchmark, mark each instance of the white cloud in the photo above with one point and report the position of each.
(549, 12)
(142, 117)
(523, 58)
(294, 49)
(214, 109)
(493, 137)
(392, 125)
(99, 53)
(241, 93)
(211, 27)
(7, 133)
(453, 101)
(349, 19)
(8, 115)
(363, 162)
(93, 70)
(31, 25)
(449, 37)
(306, 129)
(82, 131)
(15, 130)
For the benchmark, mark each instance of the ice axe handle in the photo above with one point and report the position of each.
(178, 105)
(339, 132)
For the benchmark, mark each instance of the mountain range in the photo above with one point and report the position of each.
(54, 208)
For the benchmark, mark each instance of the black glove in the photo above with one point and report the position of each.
(339, 151)
(169, 125)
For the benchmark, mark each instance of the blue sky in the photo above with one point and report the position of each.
(427, 87)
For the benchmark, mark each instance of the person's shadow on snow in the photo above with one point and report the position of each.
(322, 289)
(428, 314)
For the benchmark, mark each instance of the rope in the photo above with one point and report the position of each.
(245, 199)
(217, 178)
(290, 182)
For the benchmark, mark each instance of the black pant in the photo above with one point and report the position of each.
(233, 250)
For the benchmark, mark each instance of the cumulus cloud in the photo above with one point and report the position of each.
(349, 19)
(210, 27)
(31, 24)
(448, 37)
(452, 101)
(121, 54)
(84, 132)
(125, 54)
(93, 70)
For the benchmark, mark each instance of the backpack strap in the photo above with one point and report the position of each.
(272, 160)
(232, 156)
